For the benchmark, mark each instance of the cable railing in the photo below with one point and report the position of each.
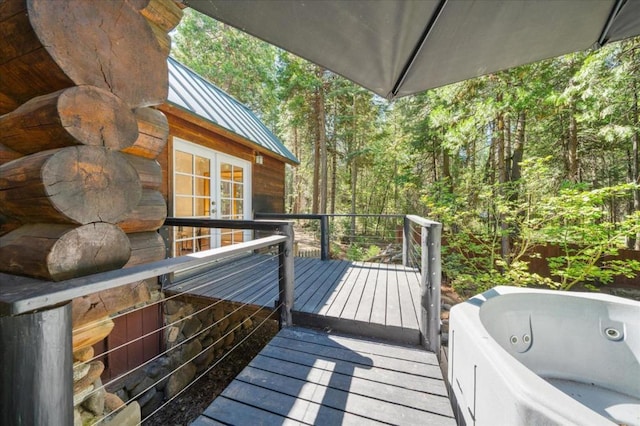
(367, 237)
(205, 314)
(194, 334)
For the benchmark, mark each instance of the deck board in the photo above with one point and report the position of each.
(377, 300)
(305, 376)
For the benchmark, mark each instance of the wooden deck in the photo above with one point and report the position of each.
(310, 377)
(370, 299)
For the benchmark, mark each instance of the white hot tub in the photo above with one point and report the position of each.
(543, 357)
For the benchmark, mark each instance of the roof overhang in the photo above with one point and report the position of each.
(400, 47)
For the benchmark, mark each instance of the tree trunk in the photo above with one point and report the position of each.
(153, 131)
(518, 149)
(81, 115)
(334, 179)
(322, 141)
(50, 45)
(573, 147)
(635, 161)
(505, 245)
(79, 185)
(7, 154)
(60, 252)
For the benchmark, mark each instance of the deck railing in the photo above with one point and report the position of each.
(37, 385)
(35, 316)
(419, 239)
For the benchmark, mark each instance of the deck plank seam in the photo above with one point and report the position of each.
(313, 402)
(426, 392)
(415, 373)
(372, 397)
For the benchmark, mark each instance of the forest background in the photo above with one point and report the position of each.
(545, 153)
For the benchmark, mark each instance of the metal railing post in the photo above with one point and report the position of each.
(324, 237)
(431, 298)
(406, 240)
(286, 275)
(36, 386)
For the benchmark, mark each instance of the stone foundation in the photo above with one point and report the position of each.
(188, 332)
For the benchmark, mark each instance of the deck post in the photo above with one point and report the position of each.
(286, 275)
(406, 240)
(36, 386)
(324, 237)
(430, 285)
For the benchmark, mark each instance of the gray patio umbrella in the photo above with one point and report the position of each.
(399, 47)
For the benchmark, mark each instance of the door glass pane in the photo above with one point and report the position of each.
(184, 185)
(225, 208)
(202, 186)
(202, 206)
(203, 166)
(225, 189)
(184, 162)
(237, 174)
(184, 206)
(238, 209)
(238, 191)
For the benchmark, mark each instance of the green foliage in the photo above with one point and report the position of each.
(538, 154)
(357, 252)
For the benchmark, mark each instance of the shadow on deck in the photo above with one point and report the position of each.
(366, 299)
(310, 377)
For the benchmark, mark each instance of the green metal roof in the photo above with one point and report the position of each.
(191, 92)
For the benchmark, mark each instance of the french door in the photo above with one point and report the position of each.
(208, 184)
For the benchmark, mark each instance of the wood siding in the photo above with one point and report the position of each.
(267, 178)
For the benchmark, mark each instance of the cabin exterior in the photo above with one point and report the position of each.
(220, 162)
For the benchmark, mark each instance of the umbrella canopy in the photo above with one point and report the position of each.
(399, 47)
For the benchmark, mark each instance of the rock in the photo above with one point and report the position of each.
(247, 323)
(207, 341)
(172, 333)
(122, 394)
(146, 384)
(191, 327)
(204, 358)
(112, 402)
(95, 402)
(132, 380)
(87, 417)
(153, 403)
(95, 370)
(205, 362)
(190, 350)
(446, 306)
(179, 380)
(172, 306)
(158, 368)
(129, 416)
(84, 354)
(81, 395)
(206, 317)
(217, 312)
(80, 370)
(146, 397)
(223, 325)
(77, 418)
(228, 341)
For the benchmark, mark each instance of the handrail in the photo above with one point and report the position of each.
(258, 225)
(20, 294)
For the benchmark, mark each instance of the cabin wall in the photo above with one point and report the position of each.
(267, 178)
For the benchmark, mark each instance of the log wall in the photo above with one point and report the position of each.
(79, 138)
